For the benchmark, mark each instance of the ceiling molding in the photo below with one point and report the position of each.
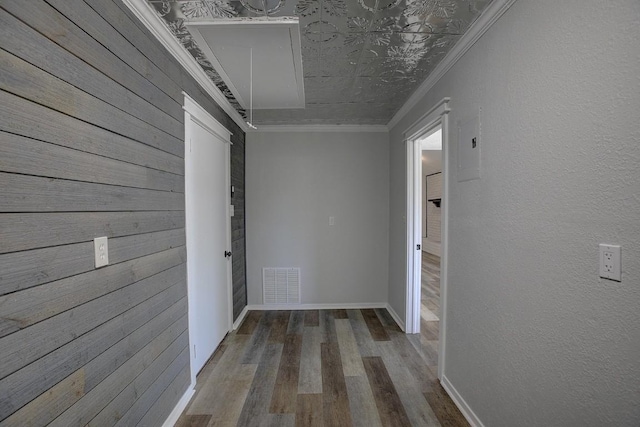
(321, 128)
(145, 13)
(494, 11)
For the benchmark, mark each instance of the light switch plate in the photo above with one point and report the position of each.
(101, 251)
(610, 262)
(232, 210)
(469, 146)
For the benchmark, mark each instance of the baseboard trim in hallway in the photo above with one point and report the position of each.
(462, 405)
(172, 419)
(241, 317)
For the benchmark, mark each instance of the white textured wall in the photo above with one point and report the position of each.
(294, 182)
(534, 337)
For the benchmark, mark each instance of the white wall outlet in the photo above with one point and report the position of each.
(332, 220)
(101, 250)
(232, 210)
(610, 262)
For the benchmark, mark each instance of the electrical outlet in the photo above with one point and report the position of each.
(610, 262)
(332, 220)
(101, 251)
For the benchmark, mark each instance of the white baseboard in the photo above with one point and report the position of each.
(395, 316)
(240, 318)
(471, 417)
(172, 419)
(347, 306)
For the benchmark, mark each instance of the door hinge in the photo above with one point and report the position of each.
(417, 247)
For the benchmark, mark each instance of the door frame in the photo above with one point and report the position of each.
(436, 116)
(194, 113)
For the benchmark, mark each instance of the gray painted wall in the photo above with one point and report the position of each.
(534, 337)
(91, 144)
(295, 182)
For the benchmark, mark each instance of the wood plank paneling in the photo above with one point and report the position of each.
(41, 410)
(176, 370)
(34, 305)
(118, 389)
(23, 193)
(28, 344)
(34, 379)
(23, 117)
(99, 29)
(26, 43)
(91, 131)
(27, 81)
(25, 269)
(36, 230)
(19, 154)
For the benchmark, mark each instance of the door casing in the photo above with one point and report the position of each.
(436, 116)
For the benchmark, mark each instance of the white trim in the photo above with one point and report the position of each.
(172, 419)
(202, 117)
(395, 316)
(471, 417)
(346, 306)
(145, 13)
(490, 15)
(321, 128)
(416, 129)
(241, 317)
(437, 115)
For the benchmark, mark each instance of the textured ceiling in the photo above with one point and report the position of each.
(362, 59)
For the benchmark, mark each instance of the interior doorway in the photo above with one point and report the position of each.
(431, 162)
(425, 129)
(208, 231)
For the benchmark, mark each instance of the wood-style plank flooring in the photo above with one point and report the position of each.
(430, 308)
(320, 368)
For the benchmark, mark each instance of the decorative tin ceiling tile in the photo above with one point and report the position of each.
(362, 59)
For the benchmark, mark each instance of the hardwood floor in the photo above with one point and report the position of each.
(320, 368)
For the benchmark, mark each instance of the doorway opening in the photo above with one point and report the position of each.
(427, 241)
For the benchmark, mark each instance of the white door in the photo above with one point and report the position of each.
(208, 238)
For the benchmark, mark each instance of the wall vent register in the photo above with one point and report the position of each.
(281, 285)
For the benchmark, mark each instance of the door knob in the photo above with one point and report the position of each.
(227, 254)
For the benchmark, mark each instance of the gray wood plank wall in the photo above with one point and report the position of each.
(91, 144)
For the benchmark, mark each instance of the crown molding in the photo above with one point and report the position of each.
(321, 128)
(493, 12)
(145, 13)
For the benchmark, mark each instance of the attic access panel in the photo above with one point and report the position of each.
(273, 47)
